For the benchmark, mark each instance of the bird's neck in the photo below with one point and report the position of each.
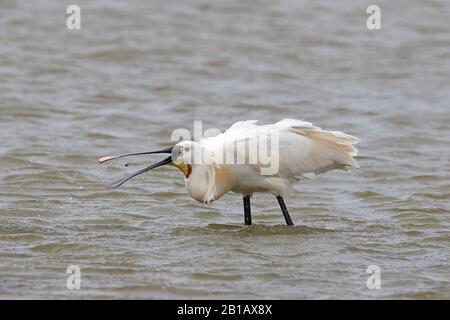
(208, 182)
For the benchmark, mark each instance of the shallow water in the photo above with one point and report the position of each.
(136, 71)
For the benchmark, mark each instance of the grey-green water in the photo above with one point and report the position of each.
(139, 69)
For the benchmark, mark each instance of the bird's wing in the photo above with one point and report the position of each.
(303, 148)
(239, 131)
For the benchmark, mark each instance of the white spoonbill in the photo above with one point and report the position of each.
(301, 149)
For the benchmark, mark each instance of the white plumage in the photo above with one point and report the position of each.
(303, 150)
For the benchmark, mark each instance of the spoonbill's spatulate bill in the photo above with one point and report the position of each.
(249, 158)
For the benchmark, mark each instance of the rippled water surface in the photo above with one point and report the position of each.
(139, 69)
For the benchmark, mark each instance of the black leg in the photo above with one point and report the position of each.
(247, 212)
(285, 211)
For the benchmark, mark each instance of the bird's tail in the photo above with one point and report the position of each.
(340, 143)
(335, 145)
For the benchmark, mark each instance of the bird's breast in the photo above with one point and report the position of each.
(196, 191)
(205, 185)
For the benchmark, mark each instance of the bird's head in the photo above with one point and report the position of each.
(187, 153)
(183, 156)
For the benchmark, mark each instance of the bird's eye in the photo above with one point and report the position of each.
(187, 149)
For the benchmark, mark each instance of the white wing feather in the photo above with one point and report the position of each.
(303, 148)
